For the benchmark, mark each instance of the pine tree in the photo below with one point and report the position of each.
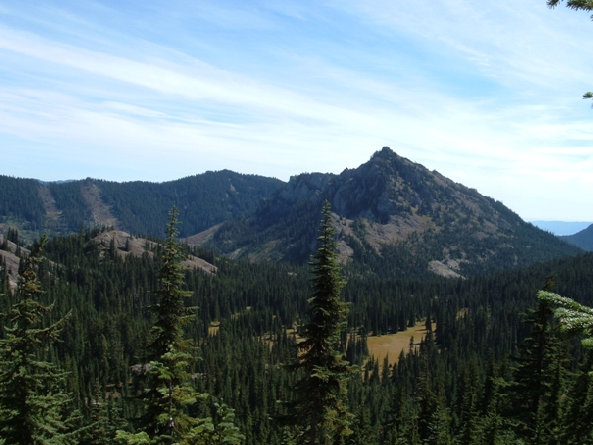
(585, 5)
(320, 405)
(170, 355)
(169, 388)
(536, 389)
(105, 418)
(573, 316)
(33, 401)
(219, 431)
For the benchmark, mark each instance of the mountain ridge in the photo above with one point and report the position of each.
(582, 239)
(392, 215)
(561, 228)
(139, 207)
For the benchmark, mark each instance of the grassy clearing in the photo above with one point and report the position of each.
(391, 345)
(380, 346)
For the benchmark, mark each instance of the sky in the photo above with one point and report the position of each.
(487, 93)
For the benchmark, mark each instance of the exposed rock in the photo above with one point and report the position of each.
(12, 261)
(125, 244)
(100, 212)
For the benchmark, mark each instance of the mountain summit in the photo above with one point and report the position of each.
(392, 215)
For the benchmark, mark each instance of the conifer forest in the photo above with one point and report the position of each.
(100, 348)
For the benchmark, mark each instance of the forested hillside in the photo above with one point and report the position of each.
(138, 207)
(474, 378)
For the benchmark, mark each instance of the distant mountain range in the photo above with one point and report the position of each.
(393, 216)
(562, 228)
(582, 239)
(578, 234)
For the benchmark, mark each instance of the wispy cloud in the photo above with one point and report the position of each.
(486, 93)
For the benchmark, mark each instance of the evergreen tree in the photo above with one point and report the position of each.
(536, 389)
(576, 419)
(585, 5)
(219, 431)
(320, 405)
(169, 380)
(169, 389)
(33, 401)
(573, 316)
(105, 418)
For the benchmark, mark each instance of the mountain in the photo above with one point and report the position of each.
(393, 216)
(561, 228)
(582, 239)
(137, 207)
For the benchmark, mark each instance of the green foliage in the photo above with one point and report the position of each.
(203, 200)
(169, 392)
(170, 310)
(538, 384)
(63, 207)
(586, 5)
(456, 385)
(34, 405)
(320, 405)
(573, 316)
(126, 438)
(218, 431)
(20, 201)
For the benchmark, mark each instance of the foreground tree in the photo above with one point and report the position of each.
(33, 402)
(573, 316)
(537, 389)
(320, 405)
(169, 387)
(586, 5)
(169, 390)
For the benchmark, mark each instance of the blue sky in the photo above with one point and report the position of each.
(487, 93)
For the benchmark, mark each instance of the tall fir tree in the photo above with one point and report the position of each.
(573, 316)
(319, 408)
(168, 387)
(34, 405)
(537, 387)
(169, 390)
